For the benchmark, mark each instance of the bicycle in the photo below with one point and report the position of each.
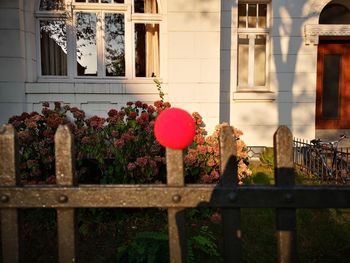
(325, 162)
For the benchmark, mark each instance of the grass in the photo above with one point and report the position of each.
(323, 235)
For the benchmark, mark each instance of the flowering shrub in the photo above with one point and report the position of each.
(118, 149)
(202, 161)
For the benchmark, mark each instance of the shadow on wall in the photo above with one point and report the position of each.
(294, 82)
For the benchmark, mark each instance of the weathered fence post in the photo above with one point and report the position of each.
(9, 177)
(284, 177)
(176, 217)
(65, 176)
(230, 216)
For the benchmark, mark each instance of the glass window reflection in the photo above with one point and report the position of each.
(53, 47)
(114, 45)
(86, 44)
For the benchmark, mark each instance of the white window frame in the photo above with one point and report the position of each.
(130, 19)
(252, 33)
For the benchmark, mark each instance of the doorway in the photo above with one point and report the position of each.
(333, 85)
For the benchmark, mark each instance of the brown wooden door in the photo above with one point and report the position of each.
(333, 86)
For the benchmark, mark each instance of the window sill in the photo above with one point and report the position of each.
(96, 80)
(254, 96)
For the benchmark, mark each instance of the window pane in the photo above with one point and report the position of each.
(114, 45)
(252, 15)
(53, 47)
(146, 6)
(262, 15)
(242, 15)
(260, 61)
(86, 44)
(147, 50)
(47, 5)
(330, 96)
(243, 51)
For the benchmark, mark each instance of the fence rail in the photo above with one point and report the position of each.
(285, 196)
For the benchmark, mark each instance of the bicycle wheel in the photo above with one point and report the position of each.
(316, 165)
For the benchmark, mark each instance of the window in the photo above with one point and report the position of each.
(99, 38)
(253, 34)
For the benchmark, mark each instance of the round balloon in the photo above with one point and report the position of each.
(174, 128)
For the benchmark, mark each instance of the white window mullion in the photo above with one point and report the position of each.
(251, 60)
(71, 48)
(100, 45)
(129, 45)
(246, 16)
(257, 16)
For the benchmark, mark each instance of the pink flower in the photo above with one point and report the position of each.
(202, 149)
(215, 175)
(141, 161)
(119, 143)
(85, 140)
(211, 162)
(199, 139)
(131, 166)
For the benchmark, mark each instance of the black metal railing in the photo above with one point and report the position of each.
(322, 162)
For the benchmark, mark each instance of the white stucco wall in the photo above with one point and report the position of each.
(292, 75)
(199, 68)
(12, 59)
(190, 67)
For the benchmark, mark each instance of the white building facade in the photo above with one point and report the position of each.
(255, 64)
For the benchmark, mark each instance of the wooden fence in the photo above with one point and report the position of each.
(66, 195)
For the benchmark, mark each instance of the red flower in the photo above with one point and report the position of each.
(129, 103)
(96, 122)
(215, 217)
(48, 134)
(54, 120)
(151, 109)
(132, 115)
(112, 113)
(158, 104)
(138, 104)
